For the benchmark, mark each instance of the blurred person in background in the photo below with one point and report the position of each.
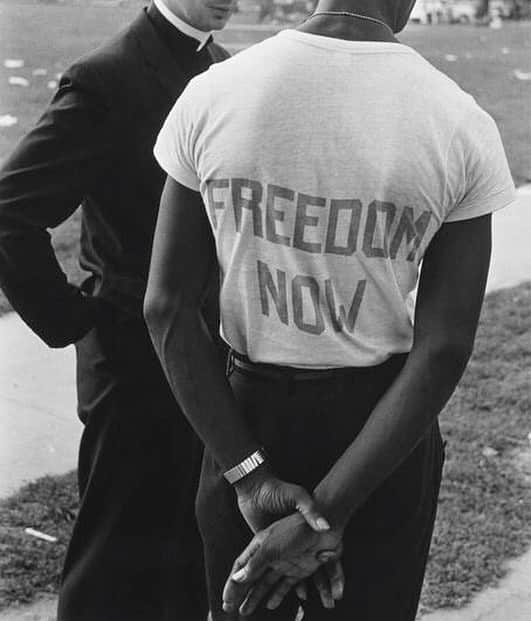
(318, 169)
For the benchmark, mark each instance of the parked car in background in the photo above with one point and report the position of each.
(462, 11)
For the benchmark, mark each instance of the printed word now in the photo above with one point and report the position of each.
(300, 290)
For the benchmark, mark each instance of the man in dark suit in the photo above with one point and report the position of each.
(135, 553)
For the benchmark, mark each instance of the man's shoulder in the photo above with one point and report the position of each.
(115, 57)
(424, 87)
(238, 66)
(436, 82)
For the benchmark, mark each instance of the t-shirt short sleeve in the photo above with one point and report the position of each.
(479, 180)
(174, 148)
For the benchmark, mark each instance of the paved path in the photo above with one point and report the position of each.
(39, 430)
(511, 243)
(509, 601)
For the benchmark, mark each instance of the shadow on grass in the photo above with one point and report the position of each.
(485, 507)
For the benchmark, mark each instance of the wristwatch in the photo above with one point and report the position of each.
(245, 467)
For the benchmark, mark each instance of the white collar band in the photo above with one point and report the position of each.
(190, 31)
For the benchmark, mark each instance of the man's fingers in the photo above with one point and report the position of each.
(322, 584)
(247, 568)
(307, 507)
(326, 556)
(234, 594)
(252, 562)
(334, 570)
(254, 568)
(258, 592)
(280, 592)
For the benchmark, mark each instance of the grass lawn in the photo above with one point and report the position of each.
(30, 567)
(485, 507)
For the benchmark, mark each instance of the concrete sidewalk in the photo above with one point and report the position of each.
(511, 243)
(39, 430)
(509, 601)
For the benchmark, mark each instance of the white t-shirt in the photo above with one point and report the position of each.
(326, 167)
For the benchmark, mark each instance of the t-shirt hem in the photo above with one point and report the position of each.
(493, 203)
(332, 365)
(180, 175)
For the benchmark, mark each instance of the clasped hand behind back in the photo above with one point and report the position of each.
(285, 552)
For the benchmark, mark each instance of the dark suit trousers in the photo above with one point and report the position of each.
(305, 425)
(135, 553)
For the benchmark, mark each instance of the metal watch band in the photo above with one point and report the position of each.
(245, 467)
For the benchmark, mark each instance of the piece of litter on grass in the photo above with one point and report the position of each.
(505, 50)
(451, 58)
(39, 71)
(7, 120)
(488, 451)
(52, 84)
(16, 80)
(39, 535)
(529, 436)
(522, 75)
(58, 76)
(13, 63)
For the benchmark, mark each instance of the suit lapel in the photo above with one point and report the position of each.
(158, 57)
(217, 53)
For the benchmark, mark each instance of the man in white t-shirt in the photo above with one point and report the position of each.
(331, 160)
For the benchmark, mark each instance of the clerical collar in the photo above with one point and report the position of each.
(199, 35)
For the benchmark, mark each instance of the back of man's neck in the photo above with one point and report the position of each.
(348, 31)
(353, 21)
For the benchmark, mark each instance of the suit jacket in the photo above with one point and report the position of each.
(93, 146)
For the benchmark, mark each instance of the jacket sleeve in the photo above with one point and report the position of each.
(41, 185)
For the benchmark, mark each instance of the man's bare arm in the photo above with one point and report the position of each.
(183, 257)
(449, 301)
(451, 290)
(181, 264)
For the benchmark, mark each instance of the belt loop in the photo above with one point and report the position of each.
(229, 368)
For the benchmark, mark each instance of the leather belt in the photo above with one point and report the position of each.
(274, 372)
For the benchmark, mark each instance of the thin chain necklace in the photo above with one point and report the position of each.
(355, 15)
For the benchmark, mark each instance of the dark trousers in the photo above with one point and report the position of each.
(305, 425)
(135, 552)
